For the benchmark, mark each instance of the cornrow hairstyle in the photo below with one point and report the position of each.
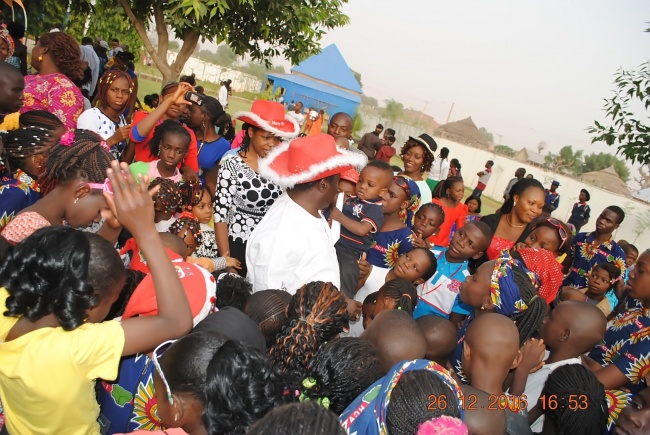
(441, 189)
(341, 370)
(61, 271)
(232, 290)
(84, 157)
(317, 313)
(40, 118)
(133, 279)
(474, 198)
(427, 155)
(167, 127)
(519, 188)
(168, 88)
(241, 386)
(169, 193)
(267, 309)
(403, 292)
(529, 320)
(104, 84)
(65, 53)
(437, 207)
(298, 418)
(408, 407)
(246, 143)
(191, 193)
(190, 223)
(25, 142)
(573, 381)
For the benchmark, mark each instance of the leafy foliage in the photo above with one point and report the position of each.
(596, 162)
(392, 110)
(44, 15)
(261, 29)
(357, 75)
(224, 56)
(627, 111)
(369, 101)
(566, 161)
(505, 149)
(486, 134)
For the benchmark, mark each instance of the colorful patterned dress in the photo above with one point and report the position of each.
(389, 245)
(16, 193)
(586, 255)
(54, 93)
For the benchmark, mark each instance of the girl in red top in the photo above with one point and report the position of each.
(448, 195)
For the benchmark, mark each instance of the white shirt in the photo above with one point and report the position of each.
(299, 117)
(223, 96)
(375, 281)
(290, 248)
(535, 385)
(439, 170)
(425, 192)
(94, 120)
(89, 55)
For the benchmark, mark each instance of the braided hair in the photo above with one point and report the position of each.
(408, 406)
(267, 309)
(84, 157)
(436, 207)
(298, 418)
(317, 313)
(169, 193)
(66, 54)
(40, 118)
(441, 189)
(104, 84)
(167, 127)
(25, 142)
(519, 188)
(191, 193)
(402, 291)
(190, 223)
(581, 401)
(529, 320)
(232, 290)
(427, 155)
(61, 271)
(341, 370)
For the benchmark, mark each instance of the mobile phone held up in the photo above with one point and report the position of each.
(194, 97)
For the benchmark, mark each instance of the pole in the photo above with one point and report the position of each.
(449, 116)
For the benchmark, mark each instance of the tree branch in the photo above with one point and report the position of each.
(190, 40)
(161, 29)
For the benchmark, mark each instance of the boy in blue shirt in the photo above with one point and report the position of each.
(439, 295)
(361, 218)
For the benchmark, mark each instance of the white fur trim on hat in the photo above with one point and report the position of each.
(264, 125)
(345, 158)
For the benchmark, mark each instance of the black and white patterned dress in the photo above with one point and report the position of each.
(242, 198)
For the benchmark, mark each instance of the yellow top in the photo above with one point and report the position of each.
(47, 376)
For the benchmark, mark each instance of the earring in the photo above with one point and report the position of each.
(40, 58)
(75, 200)
(482, 307)
(514, 204)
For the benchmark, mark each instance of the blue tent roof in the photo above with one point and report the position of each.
(317, 86)
(329, 66)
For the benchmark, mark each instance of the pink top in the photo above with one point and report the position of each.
(23, 226)
(54, 93)
(238, 140)
(497, 245)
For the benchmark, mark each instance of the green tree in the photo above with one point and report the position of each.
(225, 56)
(505, 149)
(369, 101)
(627, 110)
(44, 15)
(566, 161)
(393, 110)
(596, 162)
(261, 29)
(486, 134)
(357, 75)
(173, 46)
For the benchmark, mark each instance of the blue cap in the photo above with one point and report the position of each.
(555, 183)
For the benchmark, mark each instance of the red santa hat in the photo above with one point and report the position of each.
(308, 159)
(270, 116)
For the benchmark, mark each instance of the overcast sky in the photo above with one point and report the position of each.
(526, 70)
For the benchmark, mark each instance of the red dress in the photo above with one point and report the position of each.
(455, 215)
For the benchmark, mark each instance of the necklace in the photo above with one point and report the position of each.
(511, 224)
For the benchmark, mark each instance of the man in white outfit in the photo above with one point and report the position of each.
(223, 95)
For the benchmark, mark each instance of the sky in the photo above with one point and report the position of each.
(528, 71)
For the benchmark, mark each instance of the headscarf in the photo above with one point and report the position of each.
(504, 291)
(4, 34)
(547, 268)
(414, 197)
(367, 413)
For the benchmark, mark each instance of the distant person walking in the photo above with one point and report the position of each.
(552, 197)
(483, 178)
(581, 211)
(223, 95)
(439, 170)
(296, 114)
(370, 142)
(519, 174)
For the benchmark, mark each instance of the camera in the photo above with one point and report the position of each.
(194, 97)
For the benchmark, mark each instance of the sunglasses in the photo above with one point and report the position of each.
(157, 353)
(560, 229)
(401, 182)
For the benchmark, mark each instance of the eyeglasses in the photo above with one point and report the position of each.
(560, 229)
(401, 182)
(157, 353)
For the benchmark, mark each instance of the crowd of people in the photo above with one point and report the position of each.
(160, 271)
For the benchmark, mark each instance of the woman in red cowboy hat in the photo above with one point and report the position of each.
(242, 197)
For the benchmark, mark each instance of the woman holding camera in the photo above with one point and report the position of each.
(172, 102)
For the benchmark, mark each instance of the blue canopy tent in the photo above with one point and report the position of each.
(323, 81)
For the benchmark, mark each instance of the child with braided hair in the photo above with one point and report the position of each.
(166, 202)
(268, 308)
(191, 194)
(106, 118)
(187, 227)
(168, 147)
(72, 186)
(317, 313)
(396, 294)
